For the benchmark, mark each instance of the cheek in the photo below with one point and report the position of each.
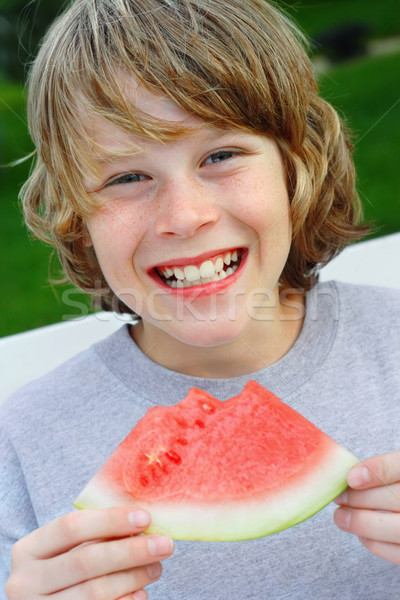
(263, 203)
(114, 236)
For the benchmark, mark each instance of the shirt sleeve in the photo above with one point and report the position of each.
(17, 517)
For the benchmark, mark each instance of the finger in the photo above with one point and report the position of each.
(81, 526)
(114, 586)
(139, 595)
(98, 559)
(376, 471)
(381, 498)
(389, 552)
(369, 524)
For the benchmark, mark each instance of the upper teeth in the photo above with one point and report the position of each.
(207, 270)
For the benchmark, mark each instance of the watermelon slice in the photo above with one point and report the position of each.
(224, 471)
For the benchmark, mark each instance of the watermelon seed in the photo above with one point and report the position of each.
(208, 408)
(173, 457)
(143, 480)
(182, 441)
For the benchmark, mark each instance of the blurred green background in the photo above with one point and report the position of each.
(364, 86)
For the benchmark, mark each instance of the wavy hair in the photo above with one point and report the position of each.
(232, 63)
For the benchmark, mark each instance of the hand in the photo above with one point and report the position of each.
(88, 554)
(370, 506)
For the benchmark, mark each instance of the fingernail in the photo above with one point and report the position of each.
(154, 570)
(138, 518)
(342, 518)
(159, 546)
(358, 476)
(342, 499)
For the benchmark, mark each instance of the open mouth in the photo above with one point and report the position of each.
(216, 268)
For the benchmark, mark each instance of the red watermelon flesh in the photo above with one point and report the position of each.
(231, 470)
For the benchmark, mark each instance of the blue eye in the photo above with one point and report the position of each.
(127, 178)
(219, 156)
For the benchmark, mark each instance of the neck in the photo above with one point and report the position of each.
(263, 343)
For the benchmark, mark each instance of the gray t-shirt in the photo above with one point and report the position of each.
(343, 373)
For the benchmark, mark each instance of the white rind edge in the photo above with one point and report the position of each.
(234, 521)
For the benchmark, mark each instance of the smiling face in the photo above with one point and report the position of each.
(192, 234)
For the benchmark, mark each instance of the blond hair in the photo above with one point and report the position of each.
(232, 63)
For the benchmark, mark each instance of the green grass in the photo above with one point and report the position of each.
(27, 299)
(366, 91)
(383, 16)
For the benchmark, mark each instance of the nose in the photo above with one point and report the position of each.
(185, 207)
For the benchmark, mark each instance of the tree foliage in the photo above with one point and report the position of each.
(22, 25)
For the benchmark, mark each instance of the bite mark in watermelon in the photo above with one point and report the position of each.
(222, 470)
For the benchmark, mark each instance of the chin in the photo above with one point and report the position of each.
(210, 333)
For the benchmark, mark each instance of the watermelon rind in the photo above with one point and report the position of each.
(236, 520)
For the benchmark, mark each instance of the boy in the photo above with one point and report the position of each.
(188, 172)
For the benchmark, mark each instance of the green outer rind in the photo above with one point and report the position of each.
(238, 520)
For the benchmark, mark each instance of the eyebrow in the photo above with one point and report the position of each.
(111, 157)
(213, 134)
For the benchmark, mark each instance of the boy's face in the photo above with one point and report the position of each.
(210, 207)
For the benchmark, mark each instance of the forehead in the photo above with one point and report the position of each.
(153, 105)
(156, 104)
(109, 141)
(106, 138)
